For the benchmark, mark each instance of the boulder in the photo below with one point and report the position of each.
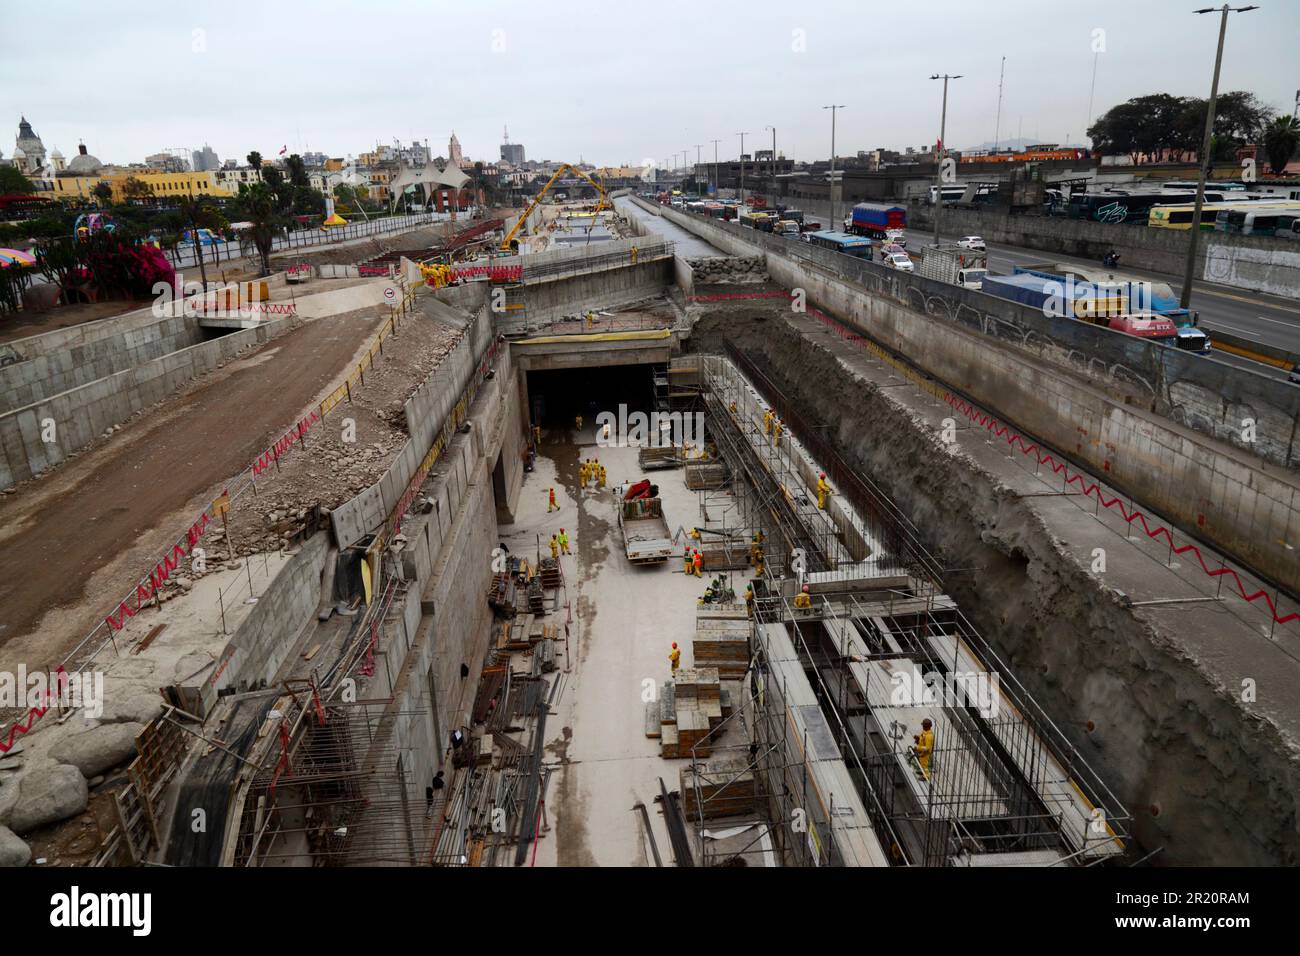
(137, 706)
(8, 796)
(13, 851)
(98, 749)
(47, 796)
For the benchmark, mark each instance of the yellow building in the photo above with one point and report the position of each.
(163, 185)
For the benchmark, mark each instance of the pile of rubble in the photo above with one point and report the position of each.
(728, 270)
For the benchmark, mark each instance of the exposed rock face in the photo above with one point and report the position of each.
(133, 706)
(47, 796)
(98, 749)
(725, 270)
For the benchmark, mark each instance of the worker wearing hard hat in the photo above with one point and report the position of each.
(767, 421)
(551, 505)
(564, 542)
(823, 491)
(749, 600)
(675, 657)
(688, 566)
(924, 747)
(582, 475)
(803, 600)
(555, 548)
(777, 428)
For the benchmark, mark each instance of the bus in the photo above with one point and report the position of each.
(1179, 215)
(843, 242)
(1272, 219)
(1117, 206)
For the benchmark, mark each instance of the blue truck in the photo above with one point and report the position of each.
(1141, 295)
(876, 219)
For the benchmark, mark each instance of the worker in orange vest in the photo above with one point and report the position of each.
(697, 562)
(551, 505)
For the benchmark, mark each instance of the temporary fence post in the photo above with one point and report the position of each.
(222, 602)
(347, 383)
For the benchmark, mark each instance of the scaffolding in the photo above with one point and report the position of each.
(883, 649)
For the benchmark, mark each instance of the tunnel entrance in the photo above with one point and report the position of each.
(557, 396)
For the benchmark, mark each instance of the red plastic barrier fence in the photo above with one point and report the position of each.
(36, 713)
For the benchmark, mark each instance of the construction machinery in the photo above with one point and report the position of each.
(507, 242)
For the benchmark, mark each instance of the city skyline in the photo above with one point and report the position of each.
(777, 65)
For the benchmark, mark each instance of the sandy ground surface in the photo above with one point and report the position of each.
(626, 619)
(76, 540)
(24, 324)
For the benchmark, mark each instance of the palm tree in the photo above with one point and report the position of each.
(258, 206)
(197, 215)
(1280, 140)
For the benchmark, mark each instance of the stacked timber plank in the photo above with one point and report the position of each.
(690, 709)
(724, 554)
(706, 475)
(722, 786)
(722, 639)
(522, 632)
(549, 571)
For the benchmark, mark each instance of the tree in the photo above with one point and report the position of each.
(259, 206)
(103, 193)
(1280, 141)
(136, 190)
(1159, 122)
(255, 159)
(13, 182)
(297, 170)
(196, 214)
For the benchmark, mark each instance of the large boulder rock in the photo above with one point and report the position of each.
(48, 795)
(13, 851)
(133, 706)
(8, 797)
(98, 749)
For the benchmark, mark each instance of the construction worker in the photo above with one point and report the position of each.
(758, 563)
(694, 533)
(767, 422)
(756, 548)
(823, 491)
(732, 406)
(537, 435)
(600, 475)
(688, 566)
(697, 562)
(803, 600)
(551, 505)
(634, 251)
(749, 600)
(591, 318)
(924, 747)
(582, 475)
(564, 542)
(577, 421)
(777, 428)
(555, 548)
(675, 657)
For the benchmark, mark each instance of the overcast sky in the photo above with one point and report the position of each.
(607, 81)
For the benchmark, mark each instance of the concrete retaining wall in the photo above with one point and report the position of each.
(427, 411)
(85, 359)
(267, 635)
(1242, 506)
(82, 414)
(683, 276)
(1247, 262)
(610, 288)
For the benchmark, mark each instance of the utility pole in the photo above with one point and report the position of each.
(835, 205)
(997, 128)
(715, 166)
(1091, 90)
(943, 148)
(697, 170)
(773, 164)
(742, 172)
(1185, 299)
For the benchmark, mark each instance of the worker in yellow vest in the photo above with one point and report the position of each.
(777, 428)
(803, 600)
(577, 421)
(555, 548)
(675, 657)
(823, 491)
(582, 475)
(564, 542)
(749, 600)
(767, 422)
(688, 566)
(600, 475)
(924, 747)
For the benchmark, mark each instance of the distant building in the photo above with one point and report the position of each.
(312, 158)
(167, 162)
(29, 151)
(454, 156)
(205, 159)
(512, 153)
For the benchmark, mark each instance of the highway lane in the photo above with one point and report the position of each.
(1268, 319)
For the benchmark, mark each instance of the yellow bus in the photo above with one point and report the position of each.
(1180, 216)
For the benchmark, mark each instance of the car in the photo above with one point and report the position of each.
(974, 243)
(888, 249)
(894, 237)
(900, 261)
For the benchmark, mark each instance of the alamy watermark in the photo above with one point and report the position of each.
(29, 690)
(954, 689)
(623, 428)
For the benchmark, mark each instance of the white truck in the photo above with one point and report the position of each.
(953, 264)
(645, 531)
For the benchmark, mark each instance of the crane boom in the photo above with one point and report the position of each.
(602, 204)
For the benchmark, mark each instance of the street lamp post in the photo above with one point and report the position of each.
(835, 204)
(943, 148)
(698, 146)
(772, 165)
(1185, 298)
(715, 167)
(742, 170)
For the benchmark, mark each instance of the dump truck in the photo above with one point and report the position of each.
(954, 265)
(645, 531)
